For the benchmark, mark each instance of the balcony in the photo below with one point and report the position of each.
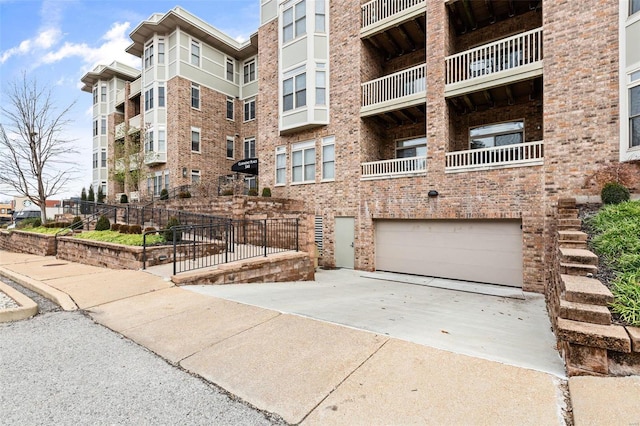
(398, 167)
(119, 131)
(119, 97)
(505, 61)
(133, 163)
(135, 88)
(378, 15)
(152, 158)
(516, 155)
(399, 90)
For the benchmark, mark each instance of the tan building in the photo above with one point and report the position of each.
(428, 137)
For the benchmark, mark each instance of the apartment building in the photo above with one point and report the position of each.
(435, 137)
(428, 137)
(186, 117)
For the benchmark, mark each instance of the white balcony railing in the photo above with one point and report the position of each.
(133, 163)
(398, 85)
(119, 97)
(378, 10)
(522, 154)
(119, 132)
(135, 87)
(134, 123)
(394, 167)
(154, 157)
(509, 53)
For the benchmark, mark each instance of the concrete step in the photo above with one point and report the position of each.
(569, 224)
(578, 269)
(568, 235)
(571, 255)
(585, 290)
(593, 314)
(612, 337)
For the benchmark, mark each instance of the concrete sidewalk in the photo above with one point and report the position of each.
(313, 372)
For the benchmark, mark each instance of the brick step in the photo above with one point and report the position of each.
(569, 224)
(593, 314)
(585, 290)
(578, 269)
(566, 203)
(567, 235)
(572, 244)
(570, 255)
(568, 213)
(612, 337)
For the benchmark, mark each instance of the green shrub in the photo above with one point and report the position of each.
(626, 292)
(266, 192)
(149, 229)
(115, 227)
(76, 223)
(135, 229)
(614, 193)
(164, 194)
(124, 229)
(124, 199)
(253, 192)
(168, 233)
(103, 224)
(32, 222)
(184, 194)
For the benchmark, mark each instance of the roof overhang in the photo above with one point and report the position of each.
(107, 72)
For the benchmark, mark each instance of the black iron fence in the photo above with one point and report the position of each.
(202, 246)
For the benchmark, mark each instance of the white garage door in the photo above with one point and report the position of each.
(488, 251)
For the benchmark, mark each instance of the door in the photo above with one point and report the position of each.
(345, 236)
(488, 251)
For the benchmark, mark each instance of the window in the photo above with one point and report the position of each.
(161, 51)
(320, 16)
(162, 142)
(229, 108)
(249, 71)
(281, 165)
(148, 142)
(148, 99)
(634, 6)
(250, 109)
(499, 134)
(195, 139)
(195, 53)
(303, 162)
(95, 127)
(409, 148)
(250, 148)
(95, 95)
(148, 55)
(294, 22)
(230, 69)
(103, 158)
(103, 93)
(294, 92)
(321, 91)
(230, 146)
(95, 160)
(103, 126)
(166, 180)
(195, 176)
(328, 158)
(161, 96)
(195, 95)
(634, 110)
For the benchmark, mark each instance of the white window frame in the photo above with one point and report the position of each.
(103, 125)
(329, 141)
(162, 100)
(148, 55)
(281, 153)
(294, 78)
(249, 71)
(303, 148)
(249, 115)
(95, 128)
(195, 174)
(195, 57)
(320, 17)
(297, 24)
(196, 130)
(230, 63)
(95, 94)
(162, 140)
(249, 142)
(195, 89)
(103, 158)
(161, 52)
(321, 86)
(500, 133)
(233, 147)
(230, 101)
(633, 81)
(148, 99)
(96, 156)
(103, 93)
(149, 142)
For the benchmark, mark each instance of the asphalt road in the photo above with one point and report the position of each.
(62, 368)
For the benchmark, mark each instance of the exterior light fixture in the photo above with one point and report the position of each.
(184, 172)
(433, 193)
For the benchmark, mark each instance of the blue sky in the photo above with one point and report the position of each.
(57, 41)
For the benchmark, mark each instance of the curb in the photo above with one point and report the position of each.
(41, 288)
(27, 308)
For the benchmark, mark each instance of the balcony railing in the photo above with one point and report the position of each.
(509, 53)
(133, 163)
(523, 154)
(394, 167)
(154, 157)
(398, 85)
(134, 123)
(119, 132)
(135, 88)
(378, 10)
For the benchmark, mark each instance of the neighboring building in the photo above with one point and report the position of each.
(428, 137)
(185, 118)
(6, 212)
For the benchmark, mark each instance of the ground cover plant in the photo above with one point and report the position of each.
(616, 239)
(118, 238)
(41, 230)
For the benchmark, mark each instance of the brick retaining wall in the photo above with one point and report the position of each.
(28, 242)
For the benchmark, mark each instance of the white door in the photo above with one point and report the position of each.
(488, 251)
(345, 236)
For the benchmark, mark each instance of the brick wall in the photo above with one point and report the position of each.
(28, 242)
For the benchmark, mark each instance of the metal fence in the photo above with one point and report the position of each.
(202, 246)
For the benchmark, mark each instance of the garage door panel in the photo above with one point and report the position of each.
(483, 251)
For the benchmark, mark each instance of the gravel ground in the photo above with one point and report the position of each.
(44, 304)
(62, 368)
(6, 302)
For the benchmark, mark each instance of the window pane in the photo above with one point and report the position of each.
(161, 141)
(280, 176)
(301, 26)
(634, 7)
(288, 86)
(309, 156)
(229, 148)
(296, 174)
(320, 24)
(287, 16)
(635, 132)
(301, 98)
(296, 158)
(280, 161)
(510, 139)
(634, 101)
(287, 102)
(287, 33)
(301, 81)
(478, 143)
(328, 153)
(497, 128)
(161, 96)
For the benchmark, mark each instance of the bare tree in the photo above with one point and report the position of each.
(35, 157)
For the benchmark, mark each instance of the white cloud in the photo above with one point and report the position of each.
(43, 40)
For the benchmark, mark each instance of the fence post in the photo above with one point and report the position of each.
(174, 250)
(297, 235)
(144, 250)
(264, 238)
(193, 235)
(226, 245)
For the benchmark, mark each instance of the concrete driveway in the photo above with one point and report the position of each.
(513, 330)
